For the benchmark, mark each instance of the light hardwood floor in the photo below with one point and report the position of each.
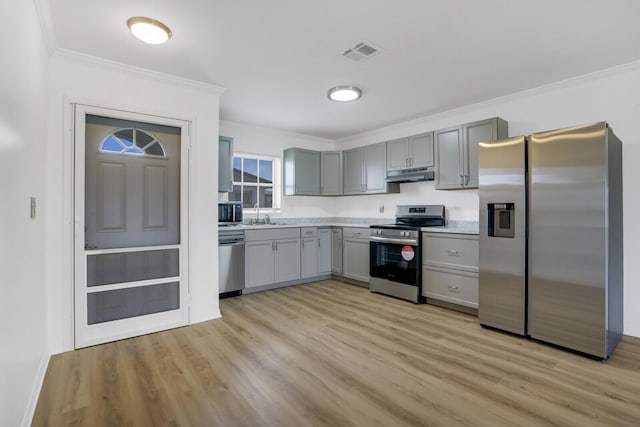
(330, 353)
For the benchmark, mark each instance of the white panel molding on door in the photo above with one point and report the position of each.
(131, 240)
(155, 208)
(111, 200)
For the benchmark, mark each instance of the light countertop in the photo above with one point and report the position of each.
(458, 227)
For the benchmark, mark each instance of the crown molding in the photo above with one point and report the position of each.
(630, 67)
(73, 56)
(43, 10)
(274, 131)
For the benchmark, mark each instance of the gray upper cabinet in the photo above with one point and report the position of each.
(411, 152)
(448, 162)
(225, 164)
(365, 170)
(398, 154)
(375, 168)
(457, 152)
(353, 175)
(331, 173)
(301, 172)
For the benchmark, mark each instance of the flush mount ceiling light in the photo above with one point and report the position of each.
(149, 30)
(344, 93)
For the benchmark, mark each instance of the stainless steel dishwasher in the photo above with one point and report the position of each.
(230, 261)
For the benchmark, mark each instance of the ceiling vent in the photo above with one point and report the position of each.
(360, 51)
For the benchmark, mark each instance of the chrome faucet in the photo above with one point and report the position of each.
(257, 213)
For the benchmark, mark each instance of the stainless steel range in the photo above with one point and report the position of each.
(395, 251)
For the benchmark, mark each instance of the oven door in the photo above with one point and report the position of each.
(395, 262)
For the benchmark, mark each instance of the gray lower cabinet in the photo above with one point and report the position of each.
(225, 164)
(309, 251)
(331, 173)
(356, 253)
(456, 150)
(411, 152)
(324, 250)
(365, 170)
(301, 172)
(271, 256)
(450, 268)
(336, 250)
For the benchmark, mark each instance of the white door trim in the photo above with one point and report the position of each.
(146, 325)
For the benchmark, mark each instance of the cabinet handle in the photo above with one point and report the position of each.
(319, 242)
(461, 179)
(452, 252)
(356, 234)
(273, 246)
(466, 180)
(303, 244)
(453, 288)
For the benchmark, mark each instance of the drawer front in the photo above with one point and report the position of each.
(271, 234)
(308, 232)
(452, 249)
(461, 289)
(355, 233)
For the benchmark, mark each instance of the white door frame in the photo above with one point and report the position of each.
(134, 326)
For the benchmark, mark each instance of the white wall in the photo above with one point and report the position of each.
(97, 82)
(250, 139)
(612, 96)
(22, 173)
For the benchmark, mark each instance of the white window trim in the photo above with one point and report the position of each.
(277, 181)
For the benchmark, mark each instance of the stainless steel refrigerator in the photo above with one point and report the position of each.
(551, 237)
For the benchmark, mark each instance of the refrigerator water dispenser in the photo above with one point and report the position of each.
(500, 218)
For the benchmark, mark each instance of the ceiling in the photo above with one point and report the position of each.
(278, 58)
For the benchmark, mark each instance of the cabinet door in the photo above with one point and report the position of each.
(336, 252)
(259, 263)
(484, 130)
(331, 173)
(356, 259)
(225, 169)
(398, 154)
(309, 257)
(375, 166)
(353, 171)
(307, 172)
(449, 158)
(420, 148)
(324, 251)
(287, 259)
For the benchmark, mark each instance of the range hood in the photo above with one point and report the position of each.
(411, 175)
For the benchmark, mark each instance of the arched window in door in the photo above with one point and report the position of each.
(134, 142)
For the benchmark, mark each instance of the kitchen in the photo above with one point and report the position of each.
(87, 79)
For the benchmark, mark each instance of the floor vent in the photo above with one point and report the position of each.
(360, 51)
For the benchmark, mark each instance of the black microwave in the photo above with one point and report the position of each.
(229, 213)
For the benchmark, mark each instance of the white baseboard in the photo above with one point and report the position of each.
(35, 390)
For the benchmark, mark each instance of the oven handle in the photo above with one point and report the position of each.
(410, 242)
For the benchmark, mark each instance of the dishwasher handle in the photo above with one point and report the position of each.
(231, 243)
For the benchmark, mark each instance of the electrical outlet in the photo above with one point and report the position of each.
(381, 208)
